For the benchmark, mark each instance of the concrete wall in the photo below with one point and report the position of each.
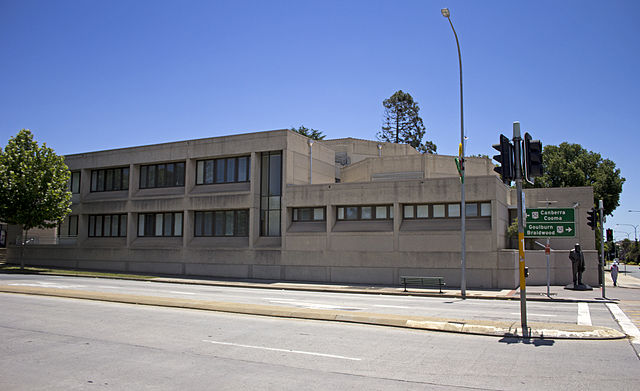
(425, 166)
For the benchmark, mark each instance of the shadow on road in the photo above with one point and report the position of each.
(527, 341)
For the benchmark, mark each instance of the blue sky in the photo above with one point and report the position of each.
(89, 75)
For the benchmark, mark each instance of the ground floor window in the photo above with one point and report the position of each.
(108, 225)
(308, 214)
(365, 212)
(222, 223)
(69, 227)
(160, 224)
(448, 210)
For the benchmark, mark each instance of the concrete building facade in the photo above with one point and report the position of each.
(272, 205)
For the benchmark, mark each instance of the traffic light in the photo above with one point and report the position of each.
(592, 218)
(532, 158)
(506, 160)
(609, 235)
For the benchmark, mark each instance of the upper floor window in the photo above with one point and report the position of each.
(108, 225)
(160, 224)
(450, 210)
(74, 182)
(365, 212)
(111, 179)
(308, 214)
(226, 170)
(222, 223)
(162, 175)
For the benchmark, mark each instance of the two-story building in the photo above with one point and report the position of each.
(275, 205)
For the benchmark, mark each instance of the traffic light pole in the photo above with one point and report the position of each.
(601, 205)
(517, 143)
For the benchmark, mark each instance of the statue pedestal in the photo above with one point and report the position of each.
(579, 287)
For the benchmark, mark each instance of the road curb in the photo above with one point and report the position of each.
(477, 327)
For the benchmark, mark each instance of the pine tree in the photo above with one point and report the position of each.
(402, 124)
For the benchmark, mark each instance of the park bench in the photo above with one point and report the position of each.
(430, 282)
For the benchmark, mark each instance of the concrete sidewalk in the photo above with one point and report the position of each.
(479, 327)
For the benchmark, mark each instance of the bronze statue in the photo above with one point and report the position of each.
(577, 265)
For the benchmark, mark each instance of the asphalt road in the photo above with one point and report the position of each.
(596, 314)
(63, 344)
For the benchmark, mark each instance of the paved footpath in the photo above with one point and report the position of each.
(627, 288)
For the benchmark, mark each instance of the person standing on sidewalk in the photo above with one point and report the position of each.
(614, 273)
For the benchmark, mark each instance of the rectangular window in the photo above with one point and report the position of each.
(471, 210)
(69, 227)
(225, 170)
(452, 210)
(162, 175)
(308, 214)
(160, 224)
(485, 209)
(243, 169)
(111, 179)
(74, 182)
(73, 225)
(270, 193)
(222, 223)
(107, 225)
(365, 212)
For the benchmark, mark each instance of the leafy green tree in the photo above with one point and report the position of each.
(571, 165)
(311, 133)
(33, 184)
(628, 251)
(402, 124)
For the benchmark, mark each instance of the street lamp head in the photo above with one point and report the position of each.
(445, 12)
(310, 142)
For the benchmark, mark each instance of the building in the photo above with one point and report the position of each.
(273, 205)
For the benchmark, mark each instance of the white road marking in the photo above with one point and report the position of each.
(314, 306)
(390, 306)
(46, 285)
(584, 316)
(528, 313)
(283, 350)
(625, 323)
(182, 293)
(627, 326)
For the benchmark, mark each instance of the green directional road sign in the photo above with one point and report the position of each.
(550, 222)
(550, 215)
(544, 230)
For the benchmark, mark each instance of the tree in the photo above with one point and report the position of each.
(33, 184)
(402, 124)
(571, 165)
(311, 133)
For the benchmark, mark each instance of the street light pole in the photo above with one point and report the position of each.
(463, 279)
(635, 230)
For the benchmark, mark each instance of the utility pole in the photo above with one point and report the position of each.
(601, 263)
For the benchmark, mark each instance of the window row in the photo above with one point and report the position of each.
(365, 212)
(308, 214)
(160, 224)
(111, 179)
(450, 210)
(162, 175)
(222, 223)
(227, 170)
(385, 212)
(107, 225)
